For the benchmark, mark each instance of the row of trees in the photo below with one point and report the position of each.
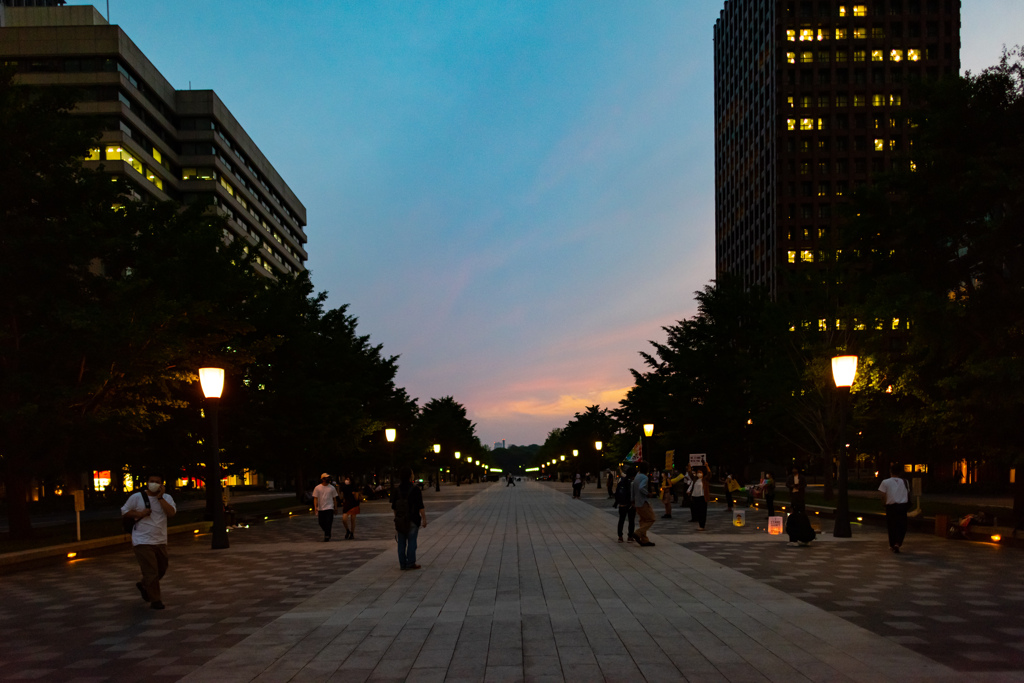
(111, 305)
(925, 283)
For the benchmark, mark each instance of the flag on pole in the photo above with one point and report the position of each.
(636, 455)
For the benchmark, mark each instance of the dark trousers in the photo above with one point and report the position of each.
(896, 521)
(153, 563)
(728, 498)
(624, 512)
(769, 502)
(326, 520)
(699, 508)
(797, 501)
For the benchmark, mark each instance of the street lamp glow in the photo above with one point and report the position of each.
(212, 381)
(437, 448)
(458, 455)
(389, 434)
(575, 453)
(844, 369)
(598, 445)
(562, 457)
(648, 429)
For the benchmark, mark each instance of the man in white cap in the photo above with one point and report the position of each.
(324, 496)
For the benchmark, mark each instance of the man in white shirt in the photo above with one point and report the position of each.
(324, 496)
(149, 535)
(897, 499)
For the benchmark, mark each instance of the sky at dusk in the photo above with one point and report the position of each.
(511, 196)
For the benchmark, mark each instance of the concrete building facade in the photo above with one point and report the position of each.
(164, 143)
(811, 99)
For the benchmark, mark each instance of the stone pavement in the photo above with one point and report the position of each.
(959, 603)
(526, 584)
(83, 621)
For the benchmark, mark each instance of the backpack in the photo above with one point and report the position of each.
(622, 492)
(127, 523)
(401, 506)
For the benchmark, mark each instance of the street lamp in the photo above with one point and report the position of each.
(648, 432)
(212, 382)
(844, 371)
(390, 435)
(437, 475)
(457, 456)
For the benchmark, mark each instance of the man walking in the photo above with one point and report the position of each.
(510, 481)
(150, 509)
(644, 511)
(897, 499)
(324, 497)
(409, 517)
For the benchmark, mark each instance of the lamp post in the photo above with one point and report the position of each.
(437, 475)
(212, 382)
(457, 456)
(648, 432)
(598, 445)
(390, 435)
(844, 370)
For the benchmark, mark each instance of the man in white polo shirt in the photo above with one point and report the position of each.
(149, 535)
(324, 497)
(897, 499)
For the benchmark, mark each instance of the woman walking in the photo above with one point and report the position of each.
(577, 485)
(624, 504)
(699, 492)
(349, 507)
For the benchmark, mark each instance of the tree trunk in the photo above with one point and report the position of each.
(1018, 498)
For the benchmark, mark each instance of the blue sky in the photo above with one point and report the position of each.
(512, 196)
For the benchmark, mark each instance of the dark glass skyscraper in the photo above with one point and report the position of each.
(811, 99)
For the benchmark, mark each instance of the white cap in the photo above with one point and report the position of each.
(325, 476)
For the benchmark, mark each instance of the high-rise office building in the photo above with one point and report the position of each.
(163, 143)
(810, 100)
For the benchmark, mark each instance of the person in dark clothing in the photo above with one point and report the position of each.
(510, 481)
(415, 517)
(349, 507)
(624, 504)
(799, 529)
(797, 484)
(769, 493)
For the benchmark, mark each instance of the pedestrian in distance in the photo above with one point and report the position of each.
(731, 487)
(577, 486)
(688, 478)
(324, 501)
(611, 484)
(150, 509)
(624, 503)
(769, 493)
(699, 495)
(897, 500)
(797, 485)
(510, 481)
(410, 515)
(668, 484)
(639, 493)
(349, 507)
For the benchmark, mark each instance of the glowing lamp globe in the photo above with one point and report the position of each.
(212, 381)
(648, 429)
(390, 434)
(844, 370)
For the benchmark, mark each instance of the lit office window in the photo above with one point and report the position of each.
(806, 34)
(879, 145)
(877, 101)
(789, 101)
(896, 55)
(791, 256)
(822, 124)
(859, 55)
(790, 124)
(153, 178)
(806, 124)
(858, 100)
(157, 156)
(823, 34)
(806, 57)
(876, 55)
(791, 57)
(807, 256)
(914, 55)
(860, 10)
(841, 34)
(93, 154)
(896, 101)
(822, 325)
(842, 10)
(860, 34)
(790, 35)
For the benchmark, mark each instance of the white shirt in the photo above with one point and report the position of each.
(325, 496)
(698, 488)
(895, 490)
(151, 530)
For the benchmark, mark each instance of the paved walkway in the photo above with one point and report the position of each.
(525, 583)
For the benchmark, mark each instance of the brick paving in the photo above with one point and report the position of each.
(84, 621)
(527, 584)
(959, 603)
